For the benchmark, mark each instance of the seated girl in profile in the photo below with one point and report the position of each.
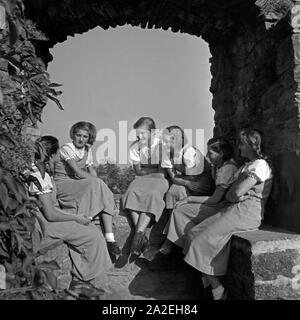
(191, 210)
(91, 258)
(187, 169)
(207, 247)
(144, 198)
(79, 190)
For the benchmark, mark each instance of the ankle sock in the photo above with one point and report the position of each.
(109, 237)
(218, 292)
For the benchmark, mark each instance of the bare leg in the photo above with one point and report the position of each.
(112, 246)
(107, 222)
(218, 290)
(135, 217)
(139, 241)
(214, 281)
(143, 222)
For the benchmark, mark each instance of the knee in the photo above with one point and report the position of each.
(179, 211)
(175, 214)
(176, 190)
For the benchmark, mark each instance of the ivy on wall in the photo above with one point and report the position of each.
(25, 88)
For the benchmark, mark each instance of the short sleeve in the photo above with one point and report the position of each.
(67, 152)
(134, 155)
(259, 170)
(225, 175)
(89, 160)
(46, 184)
(189, 157)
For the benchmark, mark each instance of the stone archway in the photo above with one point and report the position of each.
(248, 41)
(254, 65)
(255, 47)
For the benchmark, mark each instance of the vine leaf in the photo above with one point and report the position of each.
(4, 198)
(54, 85)
(6, 141)
(13, 187)
(56, 101)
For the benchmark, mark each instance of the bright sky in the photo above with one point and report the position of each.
(125, 73)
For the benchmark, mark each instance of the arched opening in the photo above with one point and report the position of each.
(125, 73)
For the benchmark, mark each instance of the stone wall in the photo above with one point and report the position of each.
(253, 84)
(264, 265)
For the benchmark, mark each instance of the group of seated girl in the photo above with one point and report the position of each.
(207, 198)
(207, 202)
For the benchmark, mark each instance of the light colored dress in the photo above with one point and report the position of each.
(193, 166)
(146, 193)
(186, 216)
(87, 196)
(208, 244)
(91, 259)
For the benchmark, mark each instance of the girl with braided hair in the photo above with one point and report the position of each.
(207, 246)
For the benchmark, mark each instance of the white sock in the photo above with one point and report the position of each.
(109, 237)
(205, 282)
(218, 292)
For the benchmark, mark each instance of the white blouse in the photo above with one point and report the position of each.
(259, 169)
(46, 183)
(141, 153)
(69, 151)
(189, 156)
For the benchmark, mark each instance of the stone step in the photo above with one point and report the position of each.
(264, 265)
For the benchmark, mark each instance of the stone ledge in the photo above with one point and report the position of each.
(45, 246)
(58, 251)
(264, 264)
(267, 239)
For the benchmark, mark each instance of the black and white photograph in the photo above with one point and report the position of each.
(149, 154)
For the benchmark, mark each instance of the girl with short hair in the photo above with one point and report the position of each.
(188, 170)
(79, 189)
(144, 198)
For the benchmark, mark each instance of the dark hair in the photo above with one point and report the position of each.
(183, 135)
(219, 144)
(254, 138)
(149, 122)
(48, 145)
(51, 144)
(87, 126)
